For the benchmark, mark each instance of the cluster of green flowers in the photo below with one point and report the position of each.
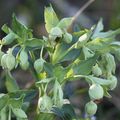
(89, 53)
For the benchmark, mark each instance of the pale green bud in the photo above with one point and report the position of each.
(45, 103)
(96, 92)
(38, 65)
(24, 60)
(3, 61)
(91, 108)
(10, 62)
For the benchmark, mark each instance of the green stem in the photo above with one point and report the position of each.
(41, 52)
(9, 116)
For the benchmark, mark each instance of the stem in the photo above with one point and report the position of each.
(41, 52)
(9, 116)
(75, 17)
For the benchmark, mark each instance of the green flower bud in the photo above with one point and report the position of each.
(38, 65)
(3, 61)
(113, 84)
(10, 62)
(96, 70)
(24, 60)
(96, 92)
(83, 40)
(45, 103)
(91, 108)
(56, 31)
(67, 38)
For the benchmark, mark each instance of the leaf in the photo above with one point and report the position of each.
(59, 72)
(11, 83)
(29, 94)
(58, 94)
(99, 27)
(100, 81)
(51, 19)
(19, 113)
(4, 114)
(45, 116)
(5, 28)
(84, 67)
(65, 23)
(3, 100)
(49, 69)
(60, 52)
(34, 42)
(17, 102)
(99, 44)
(72, 55)
(109, 34)
(21, 30)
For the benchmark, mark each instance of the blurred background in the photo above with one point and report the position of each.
(31, 13)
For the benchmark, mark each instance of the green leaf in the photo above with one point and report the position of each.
(49, 69)
(109, 34)
(45, 116)
(11, 83)
(29, 94)
(5, 28)
(4, 114)
(60, 52)
(19, 113)
(84, 67)
(17, 102)
(100, 81)
(58, 94)
(3, 100)
(51, 19)
(99, 27)
(65, 23)
(72, 55)
(21, 30)
(99, 44)
(34, 42)
(59, 72)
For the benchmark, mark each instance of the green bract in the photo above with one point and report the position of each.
(91, 108)
(96, 92)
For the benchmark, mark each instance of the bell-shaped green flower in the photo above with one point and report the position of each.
(91, 108)
(96, 92)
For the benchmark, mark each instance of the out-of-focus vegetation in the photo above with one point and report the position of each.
(30, 12)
